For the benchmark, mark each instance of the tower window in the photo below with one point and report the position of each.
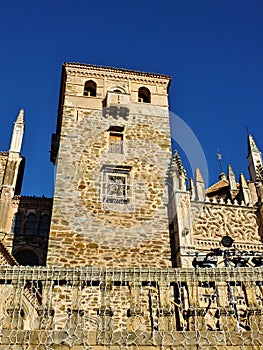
(90, 88)
(18, 224)
(31, 222)
(116, 143)
(144, 95)
(44, 225)
(116, 139)
(116, 185)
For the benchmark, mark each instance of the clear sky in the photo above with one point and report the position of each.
(212, 49)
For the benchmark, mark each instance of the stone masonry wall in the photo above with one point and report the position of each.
(3, 162)
(86, 229)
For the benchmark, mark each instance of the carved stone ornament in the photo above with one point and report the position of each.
(215, 221)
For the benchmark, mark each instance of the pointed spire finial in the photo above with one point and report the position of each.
(199, 186)
(251, 145)
(245, 192)
(18, 133)
(178, 165)
(198, 175)
(254, 158)
(230, 170)
(232, 178)
(20, 117)
(243, 181)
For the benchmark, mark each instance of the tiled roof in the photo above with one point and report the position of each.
(218, 186)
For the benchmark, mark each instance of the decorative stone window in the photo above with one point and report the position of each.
(144, 95)
(116, 139)
(116, 188)
(90, 88)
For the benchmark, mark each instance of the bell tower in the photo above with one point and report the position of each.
(112, 152)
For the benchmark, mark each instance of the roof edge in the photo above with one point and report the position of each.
(113, 69)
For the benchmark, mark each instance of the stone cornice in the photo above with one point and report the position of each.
(119, 73)
(32, 200)
(207, 244)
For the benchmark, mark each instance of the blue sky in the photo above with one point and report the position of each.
(212, 49)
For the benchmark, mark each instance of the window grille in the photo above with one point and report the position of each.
(117, 193)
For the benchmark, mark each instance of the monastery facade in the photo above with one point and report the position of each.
(129, 252)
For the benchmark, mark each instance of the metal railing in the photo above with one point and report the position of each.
(132, 306)
(116, 146)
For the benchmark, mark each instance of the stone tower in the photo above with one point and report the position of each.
(112, 154)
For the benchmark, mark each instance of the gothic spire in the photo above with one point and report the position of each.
(18, 133)
(178, 173)
(254, 158)
(251, 145)
(199, 186)
(178, 165)
(232, 178)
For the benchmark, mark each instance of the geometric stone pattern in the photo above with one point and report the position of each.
(213, 221)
